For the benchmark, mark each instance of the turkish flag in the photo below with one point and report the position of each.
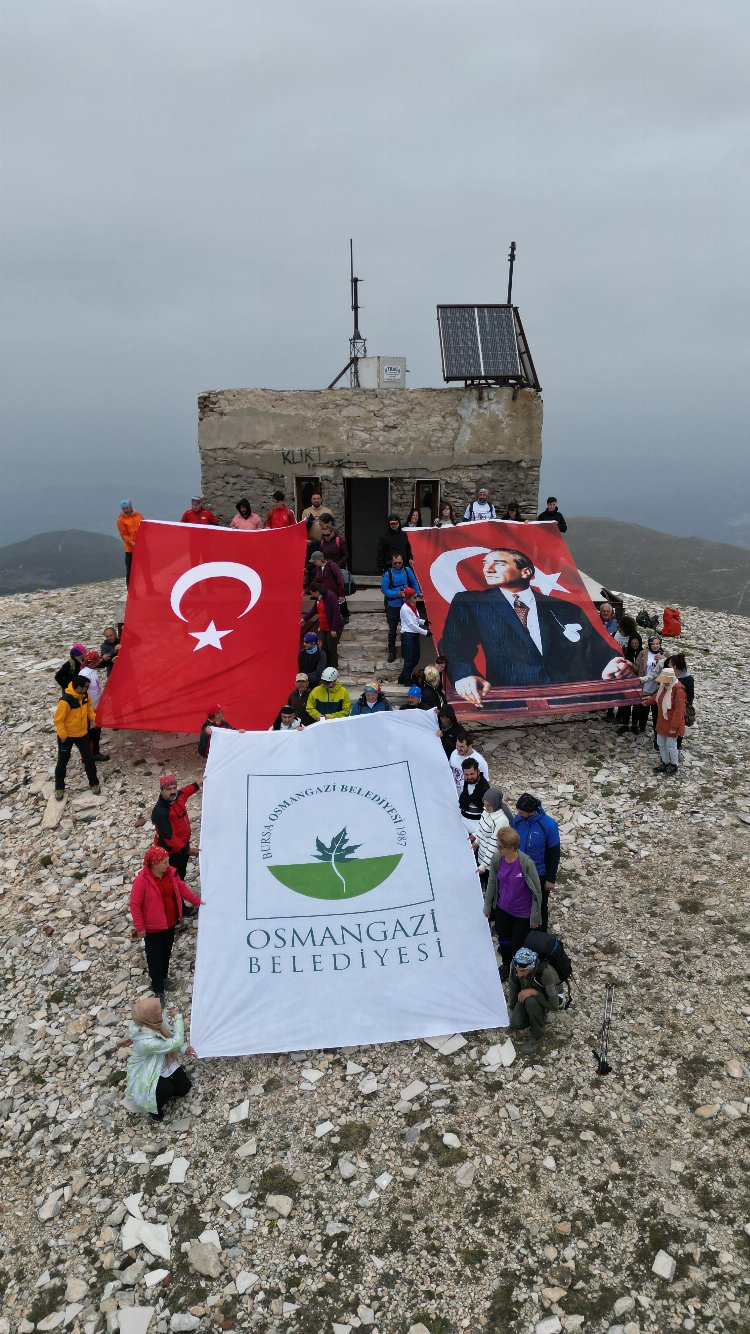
(552, 655)
(212, 618)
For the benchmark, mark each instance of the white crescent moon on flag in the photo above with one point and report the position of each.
(446, 581)
(216, 569)
(444, 572)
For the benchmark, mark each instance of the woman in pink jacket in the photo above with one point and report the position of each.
(156, 907)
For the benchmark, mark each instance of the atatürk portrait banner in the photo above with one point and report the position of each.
(510, 612)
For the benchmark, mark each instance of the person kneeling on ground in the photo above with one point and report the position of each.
(154, 1073)
(513, 895)
(532, 994)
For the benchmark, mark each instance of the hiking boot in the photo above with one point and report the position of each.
(661, 768)
(530, 1047)
(99, 756)
(671, 770)
(96, 788)
(620, 732)
(168, 984)
(59, 793)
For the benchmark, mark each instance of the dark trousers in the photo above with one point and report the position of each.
(330, 647)
(640, 715)
(128, 563)
(545, 905)
(393, 617)
(158, 946)
(64, 752)
(410, 647)
(179, 861)
(511, 933)
(624, 714)
(95, 737)
(174, 1086)
(531, 1014)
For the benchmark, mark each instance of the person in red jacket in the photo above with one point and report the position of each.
(280, 516)
(156, 900)
(172, 822)
(198, 513)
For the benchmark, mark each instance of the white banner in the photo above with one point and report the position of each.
(342, 900)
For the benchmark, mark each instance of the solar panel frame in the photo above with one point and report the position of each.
(479, 342)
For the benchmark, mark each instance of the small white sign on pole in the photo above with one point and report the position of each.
(342, 901)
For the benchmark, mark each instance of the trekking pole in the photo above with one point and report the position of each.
(602, 1064)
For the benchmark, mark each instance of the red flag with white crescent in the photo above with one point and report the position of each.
(511, 614)
(212, 619)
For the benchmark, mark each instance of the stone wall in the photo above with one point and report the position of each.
(253, 441)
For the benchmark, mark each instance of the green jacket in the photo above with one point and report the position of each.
(530, 875)
(546, 984)
(147, 1058)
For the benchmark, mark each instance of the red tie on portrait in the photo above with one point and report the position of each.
(212, 613)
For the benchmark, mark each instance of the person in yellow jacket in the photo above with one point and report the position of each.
(329, 700)
(128, 523)
(74, 717)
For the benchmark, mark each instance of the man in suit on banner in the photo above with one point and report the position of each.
(528, 639)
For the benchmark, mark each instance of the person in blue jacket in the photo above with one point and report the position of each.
(372, 700)
(396, 579)
(540, 840)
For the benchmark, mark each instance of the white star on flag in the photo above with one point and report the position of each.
(546, 582)
(208, 638)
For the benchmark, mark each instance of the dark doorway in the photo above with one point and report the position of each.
(367, 500)
(427, 501)
(304, 488)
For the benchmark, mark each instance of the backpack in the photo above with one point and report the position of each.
(689, 715)
(672, 623)
(552, 951)
(646, 620)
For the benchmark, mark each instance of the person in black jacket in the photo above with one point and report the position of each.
(392, 542)
(471, 797)
(449, 729)
(312, 659)
(552, 515)
(71, 667)
(214, 718)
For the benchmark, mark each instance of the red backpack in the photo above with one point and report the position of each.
(672, 626)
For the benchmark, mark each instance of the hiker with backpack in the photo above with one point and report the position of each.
(533, 993)
(679, 662)
(396, 579)
(513, 896)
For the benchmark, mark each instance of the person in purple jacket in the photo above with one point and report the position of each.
(513, 897)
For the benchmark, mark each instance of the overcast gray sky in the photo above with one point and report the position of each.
(180, 180)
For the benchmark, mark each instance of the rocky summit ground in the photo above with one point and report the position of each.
(404, 1187)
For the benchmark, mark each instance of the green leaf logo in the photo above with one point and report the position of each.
(339, 873)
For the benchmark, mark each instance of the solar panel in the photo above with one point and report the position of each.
(479, 343)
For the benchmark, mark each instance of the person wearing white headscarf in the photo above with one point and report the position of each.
(671, 700)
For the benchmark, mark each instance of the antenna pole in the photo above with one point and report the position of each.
(357, 344)
(511, 262)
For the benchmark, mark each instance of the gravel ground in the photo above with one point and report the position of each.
(317, 1191)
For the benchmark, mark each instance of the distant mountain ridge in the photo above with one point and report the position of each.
(657, 566)
(58, 560)
(626, 557)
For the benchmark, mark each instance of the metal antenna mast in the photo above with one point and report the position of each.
(511, 262)
(357, 344)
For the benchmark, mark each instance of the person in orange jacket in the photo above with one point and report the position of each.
(74, 718)
(128, 523)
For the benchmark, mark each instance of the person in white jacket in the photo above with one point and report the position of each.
(495, 816)
(91, 671)
(412, 626)
(465, 751)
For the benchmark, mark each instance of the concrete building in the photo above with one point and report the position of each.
(371, 451)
